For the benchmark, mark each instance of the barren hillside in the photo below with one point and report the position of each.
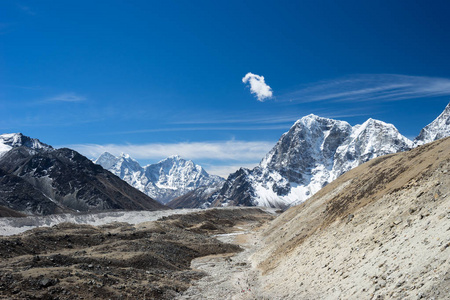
(379, 231)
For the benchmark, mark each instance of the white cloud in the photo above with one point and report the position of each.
(67, 97)
(375, 87)
(258, 86)
(222, 151)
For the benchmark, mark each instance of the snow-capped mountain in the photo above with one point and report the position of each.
(163, 181)
(436, 130)
(314, 152)
(12, 140)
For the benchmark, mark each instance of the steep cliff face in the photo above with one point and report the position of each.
(163, 181)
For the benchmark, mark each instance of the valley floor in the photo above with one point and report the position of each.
(150, 260)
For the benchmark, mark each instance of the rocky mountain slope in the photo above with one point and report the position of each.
(201, 197)
(163, 181)
(38, 179)
(437, 129)
(380, 231)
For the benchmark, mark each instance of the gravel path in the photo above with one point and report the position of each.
(229, 276)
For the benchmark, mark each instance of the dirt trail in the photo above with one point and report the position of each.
(229, 276)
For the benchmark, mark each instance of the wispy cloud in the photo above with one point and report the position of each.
(224, 150)
(366, 88)
(205, 128)
(258, 86)
(261, 121)
(67, 97)
(245, 118)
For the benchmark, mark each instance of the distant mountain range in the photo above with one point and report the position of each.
(314, 152)
(38, 179)
(35, 178)
(163, 181)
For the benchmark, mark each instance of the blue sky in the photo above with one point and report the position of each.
(157, 78)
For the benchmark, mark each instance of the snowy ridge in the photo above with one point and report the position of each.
(371, 139)
(12, 140)
(163, 181)
(436, 130)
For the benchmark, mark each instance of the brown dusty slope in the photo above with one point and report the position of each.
(382, 230)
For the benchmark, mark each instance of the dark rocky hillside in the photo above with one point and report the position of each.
(47, 181)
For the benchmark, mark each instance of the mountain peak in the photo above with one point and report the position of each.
(309, 119)
(311, 116)
(12, 140)
(374, 123)
(436, 130)
(106, 155)
(175, 157)
(124, 155)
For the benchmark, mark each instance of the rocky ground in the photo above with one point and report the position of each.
(118, 261)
